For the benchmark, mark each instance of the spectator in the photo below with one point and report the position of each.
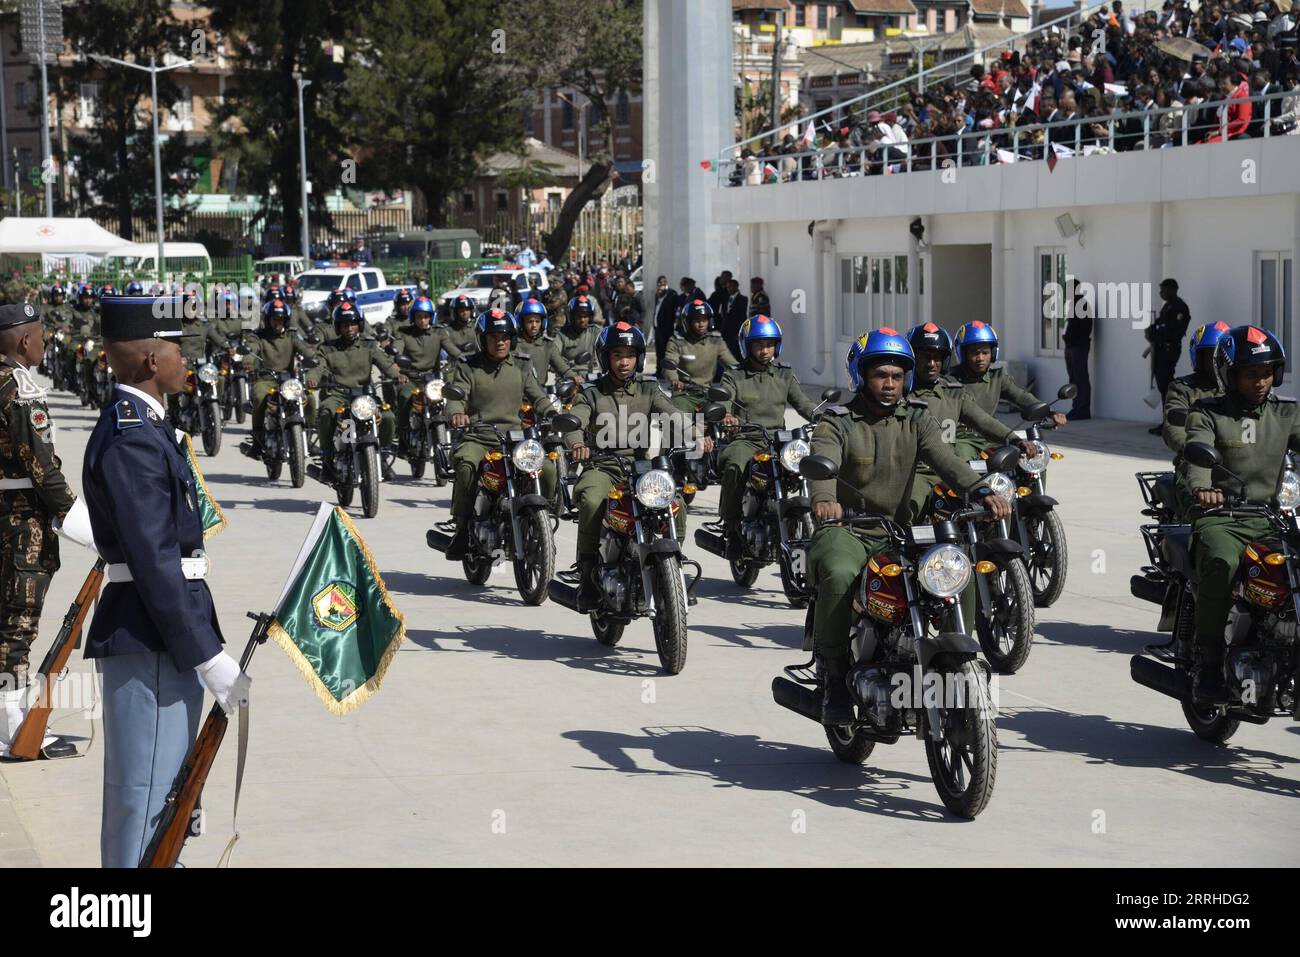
(734, 312)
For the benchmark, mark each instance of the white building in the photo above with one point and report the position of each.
(839, 258)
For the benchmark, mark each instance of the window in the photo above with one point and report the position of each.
(800, 15)
(553, 202)
(372, 279)
(873, 293)
(183, 109)
(467, 202)
(1051, 300)
(23, 94)
(864, 20)
(940, 21)
(822, 13)
(1273, 297)
(623, 111)
(354, 282)
(566, 115)
(87, 97)
(528, 120)
(503, 200)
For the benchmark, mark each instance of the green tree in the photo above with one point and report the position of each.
(269, 42)
(436, 86)
(113, 158)
(596, 50)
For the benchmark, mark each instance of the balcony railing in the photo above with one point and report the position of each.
(1274, 114)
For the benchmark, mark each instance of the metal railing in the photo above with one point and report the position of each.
(1080, 136)
(891, 92)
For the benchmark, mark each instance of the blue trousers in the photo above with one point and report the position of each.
(151, 718)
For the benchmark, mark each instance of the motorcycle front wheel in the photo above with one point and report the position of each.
(210, 427)
(670, 615)
(242, 401)
(794, 582)
(297, 455)
(964, 762)
(370, 481)
(536, 567)
(1048, 557)
(1006, 630)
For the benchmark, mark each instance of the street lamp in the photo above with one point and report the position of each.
(153, 70)
(302, 160)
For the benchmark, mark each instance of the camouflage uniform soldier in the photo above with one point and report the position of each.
(34, 496)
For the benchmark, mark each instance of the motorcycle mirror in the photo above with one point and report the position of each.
(582, 359)
(832, 395)
(818, 468)
(669, 364)
(565, 388)
(715, 412)
(717, 393)
(1039, 410)
(565, 423)
(310, 363)
(404, 362)
(453, 392)
(1067, 391)
(1003, 459)
(1201, 455)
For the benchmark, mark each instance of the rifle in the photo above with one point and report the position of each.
(173, 829)
(27, 741)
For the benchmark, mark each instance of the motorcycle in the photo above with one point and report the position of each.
(284, 426)
(916, 669)
(639, 567)
(198, 408)
(693, 473)
(1004, 597)
(357, 459)
(236, 391)
(425, 437)
(511, 519)
(1262, 637)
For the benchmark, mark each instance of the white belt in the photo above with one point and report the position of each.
(193, 569)
(7, 485)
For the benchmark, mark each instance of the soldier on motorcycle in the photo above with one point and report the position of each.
(1185, 391)
(579, 334)
(423, 342)
(976, 351)
(272, 349)
(693, 354)
(542, 351)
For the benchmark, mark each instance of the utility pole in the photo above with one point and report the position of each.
(776, 73)
(302, 161)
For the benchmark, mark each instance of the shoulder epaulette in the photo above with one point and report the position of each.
(28, 388)
(917, 404)
(676, 335)
(520, 354)
(997, 367)
(128, 416)
(1208, 402)
(836, 410)
(1288, 399)
(783, 365)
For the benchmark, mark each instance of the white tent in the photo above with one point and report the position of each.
(34, 235)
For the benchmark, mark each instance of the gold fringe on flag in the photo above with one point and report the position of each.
(203, 487)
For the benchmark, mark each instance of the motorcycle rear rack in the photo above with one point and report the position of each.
(805, 674)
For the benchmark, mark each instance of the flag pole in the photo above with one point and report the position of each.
(258, 637)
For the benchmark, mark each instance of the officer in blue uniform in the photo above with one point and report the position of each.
(155, 633)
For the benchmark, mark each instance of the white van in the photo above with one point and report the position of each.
(140, 260)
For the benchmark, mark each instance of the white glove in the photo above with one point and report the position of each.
(75, 526)
(221, 676)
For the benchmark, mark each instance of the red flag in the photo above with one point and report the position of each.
(1051, 158)
(706, 165)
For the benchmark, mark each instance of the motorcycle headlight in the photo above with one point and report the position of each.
(291, 389)
(1036, 463)
(208, 373)
(792, 453)
(433, 390)
(529, 456)
(59, 336)
(90, 345)
(1002, 487)
(655, 489)
(364, 408)
(1288, 492)
(943, 571)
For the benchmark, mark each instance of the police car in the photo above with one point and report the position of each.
(374, 295)
(478, 284)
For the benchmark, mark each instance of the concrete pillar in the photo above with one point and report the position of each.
(688, 118)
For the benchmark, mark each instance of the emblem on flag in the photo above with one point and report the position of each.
(335, 606)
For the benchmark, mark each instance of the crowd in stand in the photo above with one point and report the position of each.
(1200, 65)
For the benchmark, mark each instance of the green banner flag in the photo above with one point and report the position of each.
(214, 519)
(334, 618)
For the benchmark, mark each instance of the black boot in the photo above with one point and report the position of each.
(735, 544)
(588, 593)
(60, 747)
(837, 704)
(458, 547)
(1210, 686)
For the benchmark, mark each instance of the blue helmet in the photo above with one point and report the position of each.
(616, 335)
(974, 333)
(424, 306)
(532, 307)
(756, 329)
(134, 288)
(337, 296)
(1205, 339)
(933, 337)
(582, 306)
(346, 312)
(872, 348)
(1248, 346)
(495, 320)
(403, 297)
(693, 310)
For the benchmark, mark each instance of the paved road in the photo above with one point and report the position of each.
(505, 735)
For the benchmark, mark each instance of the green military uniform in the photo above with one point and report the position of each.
(62, 319)
(1184, 392)
(86, 324)
(459, 339)
(1253, 441)
(574, 343)
(218, 344)
(877, 452)
(694, 362)
(954, 408)
(349, 364)
(758, 396)
(29, 549)
(424, 347)
(986, 391)
(268, 352)
(298, 319)
(601, 406)
(494, 391)
(544, 354)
